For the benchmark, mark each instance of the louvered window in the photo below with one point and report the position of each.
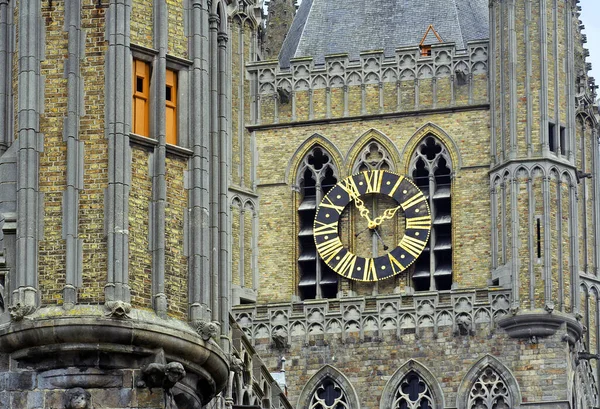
(431, 170)
(316, 176)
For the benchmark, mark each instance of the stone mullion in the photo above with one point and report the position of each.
(398, 96)
(199, 162)
(548, 302)
(214, 164)
(381, 103)
(416, 93)
(118, 124)
(293, 97)
(30, 145)
(224, 213)
(311, 103)
(363, 98)
(434, 83)
(241, 97)
(74, 174)
(242, 257)
(319, 197)
(158, 173)
(328, 101)
(6, 54)
(432, 237)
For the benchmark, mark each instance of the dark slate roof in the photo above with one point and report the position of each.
(323, 27)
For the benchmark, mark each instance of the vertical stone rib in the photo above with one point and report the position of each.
(494, 239)
(491, 81)
(596, 200)
(531, 220)
(118, 97)
(214, 166)
(199, 235)
(549, 303)
(574, 240)
(75, 110)
(528, 67)
(516, 281)
(570, 102)
(30, 144)
(159, 183)
(544, 77)
(560, 255)
(512, 82)
(6, 51)
(502, 57)
(557, 86)
(224, 212)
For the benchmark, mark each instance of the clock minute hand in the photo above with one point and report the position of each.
(364, 212)
(388, 214)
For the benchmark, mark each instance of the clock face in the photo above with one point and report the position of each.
(354, 191)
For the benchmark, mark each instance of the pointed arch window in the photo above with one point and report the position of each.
(329, 395)
(413, 393)
(431, 170)
(489, 392)
(316, 175)
(373, 157)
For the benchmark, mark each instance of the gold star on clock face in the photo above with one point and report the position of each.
(356, 189)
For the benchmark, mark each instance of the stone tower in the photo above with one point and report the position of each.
(115, 117)
(280, 14)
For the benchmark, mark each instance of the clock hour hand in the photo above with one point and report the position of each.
(388, 214)
(364, 212)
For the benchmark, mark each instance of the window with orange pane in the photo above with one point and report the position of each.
(141, 101)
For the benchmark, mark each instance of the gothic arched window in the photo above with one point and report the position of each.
(489, 392)
(328, 395)
(431, 170)
(373, 157)
(413, 393)
(316, 175)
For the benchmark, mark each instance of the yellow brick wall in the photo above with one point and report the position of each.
(177, 43)
(142, 23)
(276, 148)
(52, 179)
(95, 178)
(140, 257)
(176, 274)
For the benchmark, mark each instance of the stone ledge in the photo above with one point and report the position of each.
(539, 323)
(65, 339)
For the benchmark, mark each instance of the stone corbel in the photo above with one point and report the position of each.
(207, 329)
(118, 309)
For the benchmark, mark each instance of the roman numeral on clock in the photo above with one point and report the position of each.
(419, 222)
(327, 203)
(418, 198)
(412, 246)
(330, 248)
(322, 229)
(374, 179)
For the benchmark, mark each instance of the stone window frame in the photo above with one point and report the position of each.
(324, 374)
(473, 375)
(244, 204)
(395, 382)
(306, 209)
(438, 195)
(180, 67)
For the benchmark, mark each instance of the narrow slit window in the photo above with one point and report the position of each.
(563, 141)
(539, 237)
(552, 137)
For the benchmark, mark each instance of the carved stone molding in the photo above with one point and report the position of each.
(536, 324)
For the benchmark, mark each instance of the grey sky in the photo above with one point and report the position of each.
(591, 19)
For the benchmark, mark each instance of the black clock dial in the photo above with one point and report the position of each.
(353, 190)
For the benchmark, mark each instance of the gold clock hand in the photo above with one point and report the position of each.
(364, 212)
(388, 214)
